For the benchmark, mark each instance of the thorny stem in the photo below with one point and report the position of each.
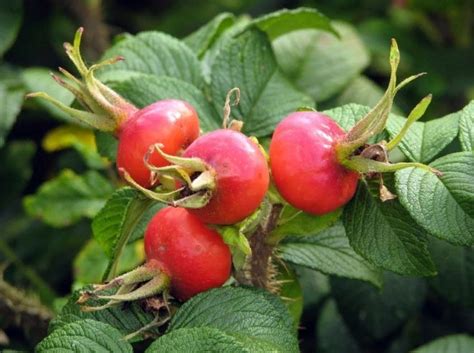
(260, 260)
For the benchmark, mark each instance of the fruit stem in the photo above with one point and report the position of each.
(365, 165)
(414, 115)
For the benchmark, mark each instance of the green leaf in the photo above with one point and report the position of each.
(11, 13)
(206, 339)
(11, 100)
(238, 243)
(385, 234)
(125, 321)
(318, 63)
(91, 262)
(16, 169)
(247, 62)
(443, 205)
(333, 335)
(283, 21)
(466, 127)
(329, 252)
(115, 223)
(347, 115)
(376, 313)
(85, 336)
(257, 320)
(298, 223)
(143, 90)
(201, 40)
(424, 141)
(67, 198)
(291, 293)
(455, 272)
(157, 54)
(38, 79)
(107, 145)
(449, 344)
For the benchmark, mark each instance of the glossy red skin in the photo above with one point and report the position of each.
(242, 175)
(304, 164)
(193, 255)
(173, 123)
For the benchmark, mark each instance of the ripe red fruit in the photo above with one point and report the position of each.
(241, 173)
(172, 123)
(191, 254)
(304, 163)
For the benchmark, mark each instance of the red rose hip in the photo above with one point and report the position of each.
(304, 164)
(172, 123)
(241, 175)
(193, 255)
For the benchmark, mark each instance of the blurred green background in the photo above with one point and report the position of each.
(434, 37)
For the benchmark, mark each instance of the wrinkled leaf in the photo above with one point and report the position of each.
(247, 62)
(116, 222)
(125, 321)
(157, 54)
(284, 21)
(67, 198)
(319, 63)
(85, 336)
(424, 141)
(202, 39)
(329, 252)
(443, 205)
(385, 234)
(251, 319)
(466, 127)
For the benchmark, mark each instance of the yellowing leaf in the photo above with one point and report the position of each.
(79, 138)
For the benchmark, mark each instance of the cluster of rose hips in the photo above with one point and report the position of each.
(218, 178)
